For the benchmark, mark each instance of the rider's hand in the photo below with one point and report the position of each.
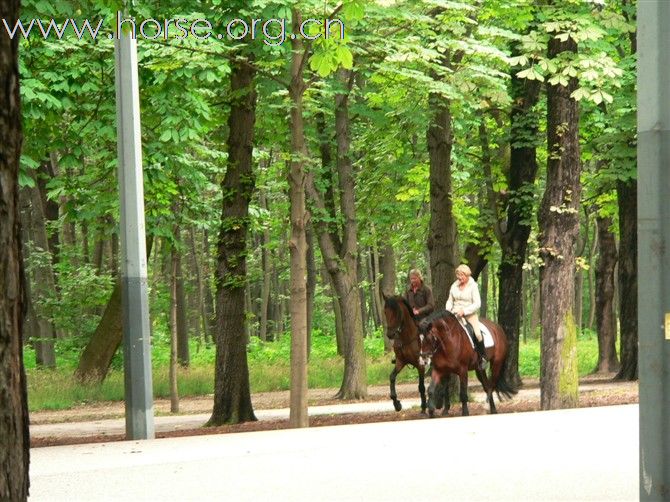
(415, 310)
(460, 313)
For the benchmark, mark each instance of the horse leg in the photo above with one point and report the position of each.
(434, 382)
(464, 392)
(487, 385)
(394, 396)
(422, 389)
(445, 396)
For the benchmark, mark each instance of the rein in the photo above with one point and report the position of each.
(438, 339)
(397, 331)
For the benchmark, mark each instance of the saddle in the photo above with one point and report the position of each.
(470, 331)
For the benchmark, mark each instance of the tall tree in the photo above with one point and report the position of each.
(524, 126)
(298, 416)
(341, 257)
(559, 227)
(605, 315)
(627, 276)
(626, 187)
(232, 397)
(14, 436)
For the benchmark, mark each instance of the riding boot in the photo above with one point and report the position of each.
(481, 350)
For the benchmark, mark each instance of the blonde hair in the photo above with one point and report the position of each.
(464, 269)
(416, 272)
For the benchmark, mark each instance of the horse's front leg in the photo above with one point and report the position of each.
(394, 396)
(422, 388)
(434, 380)
(464, 391)
(444, 384)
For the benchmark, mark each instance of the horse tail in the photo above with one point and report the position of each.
(503, 386)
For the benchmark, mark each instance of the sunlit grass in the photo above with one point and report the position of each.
(587, 355)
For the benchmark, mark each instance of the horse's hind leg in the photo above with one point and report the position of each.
(464, 392)
(422, 389)
(394, 396)
(487, 385)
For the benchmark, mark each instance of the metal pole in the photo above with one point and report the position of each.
(653, 105)
(136, 333)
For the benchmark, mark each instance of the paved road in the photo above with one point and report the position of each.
(579, 454)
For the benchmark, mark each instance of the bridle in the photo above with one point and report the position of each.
(395, 332)
(435, 342)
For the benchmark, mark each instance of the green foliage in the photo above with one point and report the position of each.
(82, 292)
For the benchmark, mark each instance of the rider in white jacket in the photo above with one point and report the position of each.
(464, 301)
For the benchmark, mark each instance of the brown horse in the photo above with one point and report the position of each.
(402, 330)
(447, 348)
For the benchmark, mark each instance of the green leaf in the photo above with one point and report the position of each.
(166, 136)
(345, 57)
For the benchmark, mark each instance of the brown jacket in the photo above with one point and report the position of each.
(422, 300)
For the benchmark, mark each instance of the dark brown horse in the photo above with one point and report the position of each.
(447, 348)
(402, 330)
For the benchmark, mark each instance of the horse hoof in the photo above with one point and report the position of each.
(431, 413)
(423, 411)
(397, 405)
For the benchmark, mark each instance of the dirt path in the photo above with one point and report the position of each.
(594, 391)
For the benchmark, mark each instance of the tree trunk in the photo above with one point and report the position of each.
(49, 208)
(442, 233)
(559, 227)
(98, 250)
(536, 313)
(14, 437)
(114, 260)
(311, 284)
(375, 292)
(209, 300)
(174, 330)
(44, 286)
(605, 319)
(84, 242)
(484, 281)
(232, 396)
(341, 258)
(361, 293)
(298, 416)
(578, 302)
(183, 355)
(30, 326)
(524, 137)
(387, 283)
(97, 355)
(266, 265)
(339, 330)
(579, 298)
(627, 196)
(202, 312)
(592, 281)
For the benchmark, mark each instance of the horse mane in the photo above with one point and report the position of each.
(427, 321)
(393, 302)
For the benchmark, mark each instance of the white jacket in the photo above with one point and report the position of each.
(467, 298)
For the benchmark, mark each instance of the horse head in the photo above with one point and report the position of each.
(397, 314)
(428, 340)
